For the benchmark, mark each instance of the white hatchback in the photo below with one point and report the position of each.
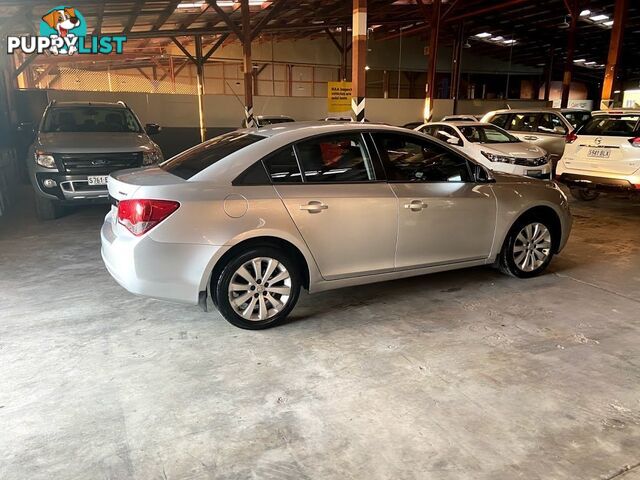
(603, 155)
(493, 147)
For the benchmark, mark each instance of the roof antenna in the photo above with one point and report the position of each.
(508, 106)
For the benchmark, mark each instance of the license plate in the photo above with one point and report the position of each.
(599, 153)
(97, 179)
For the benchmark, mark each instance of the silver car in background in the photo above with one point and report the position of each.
(250, 217)
(545, 127)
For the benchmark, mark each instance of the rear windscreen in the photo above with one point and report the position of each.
(190, 162)
(623, 126)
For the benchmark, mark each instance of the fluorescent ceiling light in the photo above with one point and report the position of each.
(509, 42)
(483, 35)
(608, 23)
(231, 3)
(580, 60)
(190, 4)
(589, 63)
(598, 18)
(497, 39)
(585, 13)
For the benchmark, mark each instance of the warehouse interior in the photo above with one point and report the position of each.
(462, 374)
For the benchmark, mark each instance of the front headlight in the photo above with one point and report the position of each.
(45, 160)
(152, 157)
(498, 158)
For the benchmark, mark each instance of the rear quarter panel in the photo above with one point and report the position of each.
(514, 198)
(222, 215)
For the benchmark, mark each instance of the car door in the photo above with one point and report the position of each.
(443, 215)
(345, 212)
(550, 134)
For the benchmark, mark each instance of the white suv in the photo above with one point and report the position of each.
(603, 155)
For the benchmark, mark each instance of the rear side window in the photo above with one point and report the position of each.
(282, 166)
(190, 162)
(522, 122)
(500, 120)
(551, 123)
(623, 126)
(335, 158)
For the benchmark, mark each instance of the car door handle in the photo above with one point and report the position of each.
(530, 137)
(416, 205)
(314, 206)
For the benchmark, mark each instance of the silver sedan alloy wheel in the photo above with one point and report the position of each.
(532, 247)
(259, 289)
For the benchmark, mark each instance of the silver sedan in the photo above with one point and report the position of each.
(250, 217)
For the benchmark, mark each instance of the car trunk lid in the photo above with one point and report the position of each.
(124, 183)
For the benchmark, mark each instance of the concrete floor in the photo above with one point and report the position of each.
(463, 375)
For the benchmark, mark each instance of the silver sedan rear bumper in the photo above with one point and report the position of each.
(143, 266)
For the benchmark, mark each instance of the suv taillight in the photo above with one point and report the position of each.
(141, 215)
(570, 138)
(635, 142)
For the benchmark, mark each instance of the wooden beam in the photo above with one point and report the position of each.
(164, 16)
(359, 60)
(133, 16)
(184, 50)
(275, 9)
(615, 46)
(215, 46)
(433, 58)
(247, 64)
(99, 16)
(333, 39)
(571, 48)
(28, 61)
(230, 23)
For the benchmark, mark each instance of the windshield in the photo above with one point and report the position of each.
(605, 125)
(90, 119)
(188, 163)
(487, 134)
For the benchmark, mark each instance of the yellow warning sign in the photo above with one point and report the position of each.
(338, 96)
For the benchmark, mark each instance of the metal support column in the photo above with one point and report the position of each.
(200, 79)
(571, 47)
(433, 57)
(343, 54)
(456, 67)
(615, 45)
(359, 59)
(548, 76)
(246, 63)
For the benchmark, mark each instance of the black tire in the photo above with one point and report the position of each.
(584, 194)
(513, 247)
(47, 209)
(222, 293)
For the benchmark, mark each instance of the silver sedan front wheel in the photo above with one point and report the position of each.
(259, 289)
(532, 247)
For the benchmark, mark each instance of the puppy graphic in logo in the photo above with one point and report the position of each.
(63, 20)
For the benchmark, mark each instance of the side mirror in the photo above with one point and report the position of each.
(483, 175)
(152, 128)
(453, 141)
(559, 130)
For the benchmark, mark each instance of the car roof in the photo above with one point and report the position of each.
(533, 110)
(273, 116)
(89, 104)
(617, 111)
(464, 123)
(306, 129)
